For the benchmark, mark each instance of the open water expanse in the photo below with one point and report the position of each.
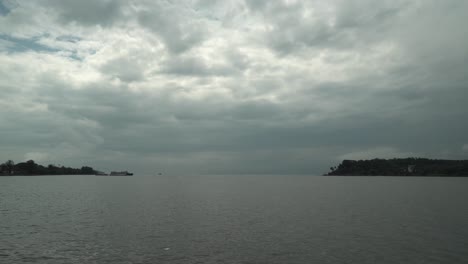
(233, 219)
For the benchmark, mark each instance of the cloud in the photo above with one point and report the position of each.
(5, 7)
(87, 12)
(124, 68)
(196, 66)
(179, 27)
(231, 87)
(292, 26)
(5, 45)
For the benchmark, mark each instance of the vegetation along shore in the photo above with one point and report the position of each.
(401, 167)
(32, 168)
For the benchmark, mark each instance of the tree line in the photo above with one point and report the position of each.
(30, 167)
(401, 167)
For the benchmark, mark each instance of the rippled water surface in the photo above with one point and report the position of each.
(233, 219)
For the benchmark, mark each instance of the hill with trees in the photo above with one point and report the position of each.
(401, 167)
(32, 168)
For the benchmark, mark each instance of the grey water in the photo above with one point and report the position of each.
(233, 219)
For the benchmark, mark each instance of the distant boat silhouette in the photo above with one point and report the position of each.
(120, 173)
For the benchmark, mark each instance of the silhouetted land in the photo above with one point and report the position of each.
(401, 167)
(31, 168)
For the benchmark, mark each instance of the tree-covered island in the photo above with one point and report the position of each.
(32, 168)
(401, 167)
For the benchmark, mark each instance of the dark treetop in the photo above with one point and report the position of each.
(401, 167)
(31, 168)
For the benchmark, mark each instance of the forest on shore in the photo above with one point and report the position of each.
(30, 167)
(401, 167)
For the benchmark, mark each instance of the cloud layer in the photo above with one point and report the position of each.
(232, 86)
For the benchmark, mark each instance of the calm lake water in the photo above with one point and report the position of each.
(233, 219)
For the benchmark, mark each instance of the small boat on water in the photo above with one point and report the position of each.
(114, 173)
(120, 173)
(100, 173)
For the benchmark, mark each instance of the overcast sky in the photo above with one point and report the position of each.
(232, 86)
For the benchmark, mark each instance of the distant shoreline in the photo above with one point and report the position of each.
(31, 168)
(39, 175)
(408, 167)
